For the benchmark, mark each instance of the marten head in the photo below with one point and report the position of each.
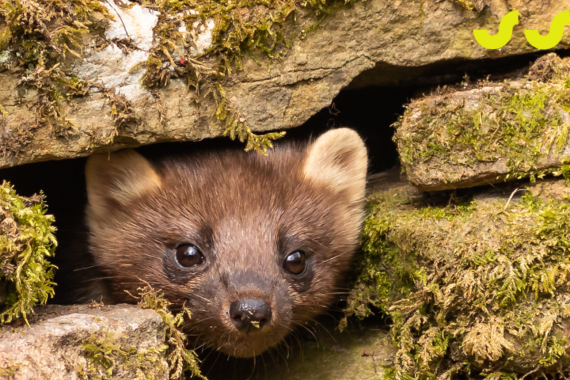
(253, 246)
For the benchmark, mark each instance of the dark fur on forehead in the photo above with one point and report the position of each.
(245, 213)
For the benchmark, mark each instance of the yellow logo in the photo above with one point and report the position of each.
(503, 37)
(554, 37)
(537, 40)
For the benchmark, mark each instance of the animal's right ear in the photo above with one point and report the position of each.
(339, 161)
(116, 179)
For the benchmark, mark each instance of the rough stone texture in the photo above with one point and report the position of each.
(445, 174)
(372, 34)
(484, 133)
(52, 347)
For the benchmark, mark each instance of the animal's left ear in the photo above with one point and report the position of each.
(338, 160)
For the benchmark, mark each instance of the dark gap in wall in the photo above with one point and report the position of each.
(64, 186)
(376, 98)
(450, 71)
(369, 110)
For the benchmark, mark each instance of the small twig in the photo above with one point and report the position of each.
(120, 18)
(531, 372)
(511, 197)
(489, 183)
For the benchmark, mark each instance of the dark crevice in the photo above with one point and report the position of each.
(376, 98)
(447, 72)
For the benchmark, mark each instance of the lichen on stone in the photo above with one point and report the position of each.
(40, 36)
(26, 241)
(238, 29)
(474, 287)
(524, 123)
(469, 5)
(9, 373)
(476, 5)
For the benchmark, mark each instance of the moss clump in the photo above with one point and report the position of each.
(524, 123)
(108, 354)
(39, 35)
(476, 288)
(179, 358)
(242, 28)
(26, 240)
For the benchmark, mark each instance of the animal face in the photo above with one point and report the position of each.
(253, 246)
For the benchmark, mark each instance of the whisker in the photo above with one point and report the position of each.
(306, 328)
(205, 319)
(208, 355)
(199, 296)
(213, 364)
(84, 268)
(324, 328)
(264, 366)
(334, 257)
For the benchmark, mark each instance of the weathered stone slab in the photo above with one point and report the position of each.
(488, 132)
(351, 40)
(76, 342)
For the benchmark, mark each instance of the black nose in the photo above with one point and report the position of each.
(250, 314)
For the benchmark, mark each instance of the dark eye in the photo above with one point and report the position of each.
(295, 262)
(189, 255)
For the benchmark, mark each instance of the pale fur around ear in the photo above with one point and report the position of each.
(116, 179)
(338, 160)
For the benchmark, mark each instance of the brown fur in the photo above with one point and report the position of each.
(246, 213)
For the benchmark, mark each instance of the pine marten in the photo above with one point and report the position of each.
(252, 245)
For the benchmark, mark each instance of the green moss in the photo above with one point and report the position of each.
(26, 240)
(40, 36)
(107, 353)
(179, 358)
(474, 288)
(524, 126)
(243, 28)
(524, 123)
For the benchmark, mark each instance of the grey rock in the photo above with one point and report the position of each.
(53, 346)
(369, 36)
(484, 133)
